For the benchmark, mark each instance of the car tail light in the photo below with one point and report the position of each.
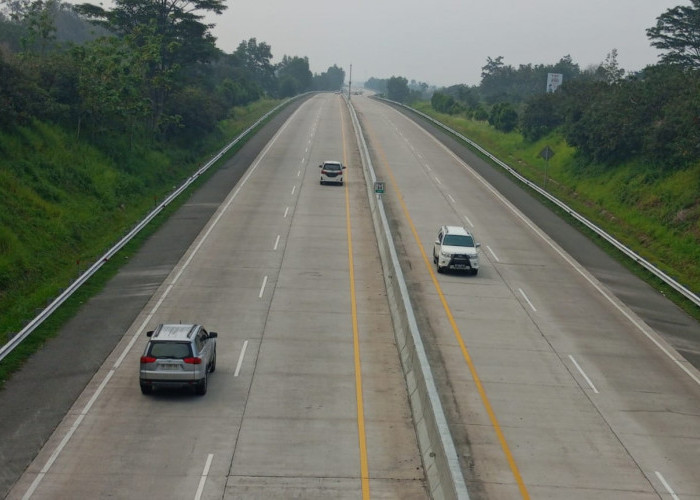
(193, 361)
(148, 359)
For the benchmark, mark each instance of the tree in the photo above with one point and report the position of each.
(610, 71)
(445, 104)
(255, 58)
(294, 76)
(504, 117)
(330, 80)
(541, 116)
(168, 34)
(492, 67)
(397, 89)
(677, 31)
(110, 80)
(377, 84)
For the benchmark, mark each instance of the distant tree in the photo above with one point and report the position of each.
(21, 98)
(503, 117)
(169, 36)
(610, 71)
(397, 89)
(294, 76)
(541, 116)
(677, 32)
(332, 79)
(492, 67)
(110, 81)
(445, 104)
(256, 60)
(379, 85)
(11, 33)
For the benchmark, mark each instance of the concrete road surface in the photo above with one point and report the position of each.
(553, 386)
(307, 400)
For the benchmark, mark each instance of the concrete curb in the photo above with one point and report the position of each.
(438, 453)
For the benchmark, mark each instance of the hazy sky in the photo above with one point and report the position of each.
(443, 42)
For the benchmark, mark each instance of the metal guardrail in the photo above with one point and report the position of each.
(687, 293)
(87, 274)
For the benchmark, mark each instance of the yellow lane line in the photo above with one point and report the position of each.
(460, 340)
(364, 469)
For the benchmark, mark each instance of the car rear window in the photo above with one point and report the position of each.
(332, 166)
(458, 240)
(174, 350)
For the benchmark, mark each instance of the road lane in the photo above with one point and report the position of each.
(526, 321)
(272, 274)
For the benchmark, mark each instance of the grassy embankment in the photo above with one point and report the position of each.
(655, 213)
(63, 203)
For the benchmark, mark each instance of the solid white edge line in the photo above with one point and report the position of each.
(203, 479)
(262, 288)
(666, 485)
(493, 253)
(131, 343)
(66, 438)
(588, 380)
(527, 300)
(240, 359)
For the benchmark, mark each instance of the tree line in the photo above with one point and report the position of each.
(141, 69)
(610, 117)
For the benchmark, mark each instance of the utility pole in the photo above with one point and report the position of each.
(350, 83)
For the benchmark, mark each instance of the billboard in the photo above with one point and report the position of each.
(553, 81)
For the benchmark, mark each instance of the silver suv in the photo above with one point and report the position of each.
(455, 248)
(178, 355)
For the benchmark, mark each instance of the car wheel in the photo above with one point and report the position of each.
(321, 183)
(146, 388)
(439, 269)
(212, 368)
(201, 388)
(435, 259)
(474, 272)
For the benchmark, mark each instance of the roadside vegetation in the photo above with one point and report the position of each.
(626, 146)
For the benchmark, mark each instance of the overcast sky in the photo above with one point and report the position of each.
(443, 42)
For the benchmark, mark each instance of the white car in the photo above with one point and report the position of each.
(456, 249)
(332, 171)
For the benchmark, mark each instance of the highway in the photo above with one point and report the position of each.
(308, 399)
(553, 388)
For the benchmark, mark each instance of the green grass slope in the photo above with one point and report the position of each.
(63, 203)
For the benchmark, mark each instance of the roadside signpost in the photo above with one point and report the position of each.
(546, 153)
(379, 189)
